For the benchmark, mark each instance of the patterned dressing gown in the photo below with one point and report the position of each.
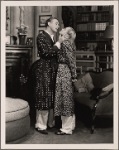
(64, 103)
(43, 73)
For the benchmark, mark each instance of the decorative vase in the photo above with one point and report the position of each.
(7, 39)
(22, 39)
(14, 40)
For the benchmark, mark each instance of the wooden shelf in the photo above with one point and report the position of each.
(88, 12)
(94, 41)
(19, 46)
(103, 52)
(96, 21)
(104, 62)
(90, 31)
(84, 52)
(85, 60)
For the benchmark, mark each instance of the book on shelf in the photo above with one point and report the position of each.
(92, 46)
(99, 35)
(100, 8)
(94, 8)
(98, 16)
(92, 26)
(103, 58)
(105, 8)
(93, 17)
(82, 27)
(101, 26)
(83, 8)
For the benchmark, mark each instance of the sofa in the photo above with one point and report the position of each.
(94, 96)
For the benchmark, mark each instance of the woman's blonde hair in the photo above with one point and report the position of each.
(71, 33)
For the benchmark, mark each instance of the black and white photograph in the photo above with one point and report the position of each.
(59, 78)
(42, 20)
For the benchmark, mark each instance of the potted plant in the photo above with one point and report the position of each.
(22, 33)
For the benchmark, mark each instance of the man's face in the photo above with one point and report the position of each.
(54, 25)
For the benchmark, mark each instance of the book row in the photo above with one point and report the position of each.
(92, 26)
(92, 8)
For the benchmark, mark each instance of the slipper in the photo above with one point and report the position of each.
(49, 128)
(60, 133)
(41, 131)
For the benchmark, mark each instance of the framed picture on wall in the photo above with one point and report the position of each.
(45, 9)
(42, 20)
(29, 41)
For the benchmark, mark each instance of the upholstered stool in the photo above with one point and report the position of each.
(17, 119)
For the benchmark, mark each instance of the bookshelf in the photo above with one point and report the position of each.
(104, 60)
(91, 22)
(85, 61)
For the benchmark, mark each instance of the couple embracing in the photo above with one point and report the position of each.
(53, 75)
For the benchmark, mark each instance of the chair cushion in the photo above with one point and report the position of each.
(16, 109)
(84, 98)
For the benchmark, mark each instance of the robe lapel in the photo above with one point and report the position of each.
(48, 38)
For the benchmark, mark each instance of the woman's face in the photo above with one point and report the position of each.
(63, 34)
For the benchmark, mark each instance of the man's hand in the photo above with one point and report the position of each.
(74, 80)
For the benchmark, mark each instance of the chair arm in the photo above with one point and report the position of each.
(104, 94)
(104, 105)
(98, 93)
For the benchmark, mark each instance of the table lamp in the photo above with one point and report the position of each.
(109, 34)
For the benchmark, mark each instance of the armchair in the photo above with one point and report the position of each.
(98, 99)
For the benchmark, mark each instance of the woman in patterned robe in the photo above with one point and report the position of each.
(66, 75)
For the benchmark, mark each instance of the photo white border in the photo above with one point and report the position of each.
(3, 74)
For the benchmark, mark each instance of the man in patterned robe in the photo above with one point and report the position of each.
(43, 73)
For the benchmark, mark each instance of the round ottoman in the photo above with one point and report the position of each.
(17, 118)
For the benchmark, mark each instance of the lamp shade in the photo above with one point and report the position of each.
(108, 33)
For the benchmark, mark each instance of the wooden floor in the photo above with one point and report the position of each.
(81, 135)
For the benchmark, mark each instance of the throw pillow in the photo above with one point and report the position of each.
(87, 80)
(79, 86)
(84, 84)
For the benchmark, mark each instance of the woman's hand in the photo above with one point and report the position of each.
(61, 39)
